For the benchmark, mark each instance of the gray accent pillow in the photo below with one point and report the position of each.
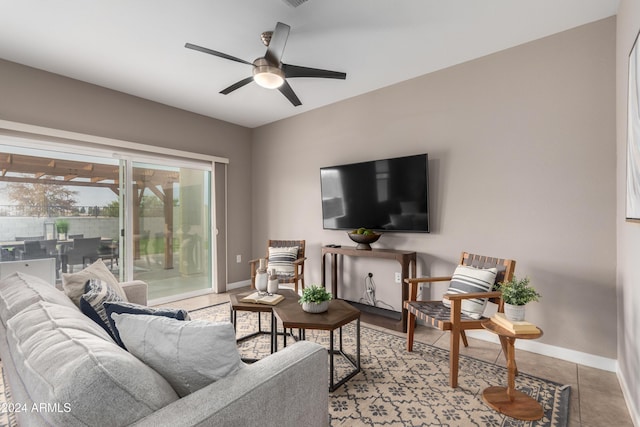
(188, 354)
(73, 283)
(467, 280)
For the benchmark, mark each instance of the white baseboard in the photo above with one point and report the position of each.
(634, 411)
(569, 355)
(240, 284)
(173, 298)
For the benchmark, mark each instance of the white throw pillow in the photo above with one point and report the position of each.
(73, 283)
(467, 280)
(282, 260)
(189, 354)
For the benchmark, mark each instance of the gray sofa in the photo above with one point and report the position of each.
(63, 369)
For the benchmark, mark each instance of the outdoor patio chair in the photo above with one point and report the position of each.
(82, 252)
(31, 250)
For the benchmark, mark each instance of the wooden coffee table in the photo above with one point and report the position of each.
(290, 297)
(338, 315)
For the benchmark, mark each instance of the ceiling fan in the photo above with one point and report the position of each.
(269, 71)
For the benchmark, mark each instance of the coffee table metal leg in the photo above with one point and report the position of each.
(355, 362)
(331, 354)
(358, 344)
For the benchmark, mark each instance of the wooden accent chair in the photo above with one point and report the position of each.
(297, 276)
(451, 318)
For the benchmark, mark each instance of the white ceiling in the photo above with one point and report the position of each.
(137, 46)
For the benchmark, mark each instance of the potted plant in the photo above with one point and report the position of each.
(62, 227)
(516, 293)
(315, 299)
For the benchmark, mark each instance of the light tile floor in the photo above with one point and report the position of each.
(596, 397)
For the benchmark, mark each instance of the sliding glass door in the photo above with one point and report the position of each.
(170, 228)
(148, 217)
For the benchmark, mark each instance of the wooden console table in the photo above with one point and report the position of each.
(407, 260)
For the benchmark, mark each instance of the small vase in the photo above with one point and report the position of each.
(315, 307)
(273, 284)
(515, 313)
(262, 277)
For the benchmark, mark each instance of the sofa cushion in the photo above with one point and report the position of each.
(467, 279)
(73, 283)
(131, 308)
(20, 290)
(65, 358)
(92, 302)
(189, 354)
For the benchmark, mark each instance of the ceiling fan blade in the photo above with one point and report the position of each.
(216, 53)
(297, 71)
(286, 90)
(277, 44)
(237, 85)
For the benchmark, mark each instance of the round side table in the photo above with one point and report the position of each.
(508, 400)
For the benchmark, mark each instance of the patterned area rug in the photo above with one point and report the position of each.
(395, 387)
(398, 388)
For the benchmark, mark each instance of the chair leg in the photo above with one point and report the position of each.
(411, 326)
(454, 355)
(464, 338)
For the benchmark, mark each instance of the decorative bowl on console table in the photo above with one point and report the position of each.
(364, 240)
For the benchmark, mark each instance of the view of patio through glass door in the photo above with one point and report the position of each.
(72, 207)
(171, 223)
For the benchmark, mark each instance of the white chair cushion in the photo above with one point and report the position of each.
(282, 260)
(467, 280)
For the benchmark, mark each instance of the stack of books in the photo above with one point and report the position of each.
(516, 327)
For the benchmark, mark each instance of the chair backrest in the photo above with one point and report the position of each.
(287, 244)
(87, 243)
(33, 250)
(76, 236)
(49, 246)
(506, 267)
(83, 248)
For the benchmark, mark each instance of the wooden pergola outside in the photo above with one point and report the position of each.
(21, 168)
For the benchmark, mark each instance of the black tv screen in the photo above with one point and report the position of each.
(383, 195)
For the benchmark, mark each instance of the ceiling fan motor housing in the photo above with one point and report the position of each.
(266, 74)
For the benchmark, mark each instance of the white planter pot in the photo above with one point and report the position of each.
(514, 313)
(314, 307)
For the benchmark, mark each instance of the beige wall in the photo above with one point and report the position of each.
(522, 165)
(628, 25)
(39, 98)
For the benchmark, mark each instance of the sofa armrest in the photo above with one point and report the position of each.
(288, 388)
(136, 291)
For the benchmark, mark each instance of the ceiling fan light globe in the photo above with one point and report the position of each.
(268, 76)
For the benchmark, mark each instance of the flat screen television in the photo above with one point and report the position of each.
(383, 195)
